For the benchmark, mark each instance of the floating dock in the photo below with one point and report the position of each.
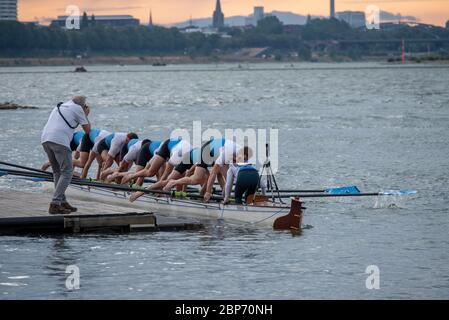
(27, 213)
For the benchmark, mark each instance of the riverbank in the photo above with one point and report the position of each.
(180, 60)
(159, 60)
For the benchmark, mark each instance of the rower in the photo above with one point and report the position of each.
(74, 146)
(86, 146)
(228, 154)
(128, 156)
(144, 158)
(215, 154)
(107, 150)
(185, 168)
(170, 154)
(245, 177)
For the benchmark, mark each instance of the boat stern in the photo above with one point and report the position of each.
(292, 221)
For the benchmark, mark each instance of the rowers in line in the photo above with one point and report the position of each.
(216, 154)
(144, 157)
(106, 151)
(170, 154)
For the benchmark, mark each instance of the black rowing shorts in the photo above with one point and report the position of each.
(246, 184)
(73, 145)
(86, 144)
(102, 146)
(145, 154)
(206, 150)
(123, 152)
(186, 164)
(164, 151)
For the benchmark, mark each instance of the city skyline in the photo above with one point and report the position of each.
(167, 12)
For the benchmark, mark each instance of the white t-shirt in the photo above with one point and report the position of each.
(103, 134)
(56, 130)
(232, 175)
(227, 153)
(177, 153)
(117, 144)
(133, 152)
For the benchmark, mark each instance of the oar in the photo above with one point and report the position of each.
(5, 171)
(32, 179)
(23, 167)
(87, 183)
(404, 192)
(48, 172)
(47, 175)
(337, 190)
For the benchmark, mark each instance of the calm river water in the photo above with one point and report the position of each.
(375, 126)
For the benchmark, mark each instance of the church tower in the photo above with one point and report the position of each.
(218, 17)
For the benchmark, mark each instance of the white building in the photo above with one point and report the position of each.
(356, 19)
(258, 14)
(8, 10)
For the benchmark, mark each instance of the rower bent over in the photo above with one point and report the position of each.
(87, 144)
(170, 154)
(185, 168)
(215, 153)
(245, 176)
(128, 156)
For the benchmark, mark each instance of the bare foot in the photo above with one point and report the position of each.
(111, 177)
(126, 179)
(134, 196)
(169, 186)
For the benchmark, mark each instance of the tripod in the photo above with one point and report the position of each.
(271, 180)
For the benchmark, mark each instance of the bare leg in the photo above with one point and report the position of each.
(161, 171)
(199, 177)
(174, 175)
(46, 165)
(155, 165)
(119, 175)
(101, 162)
(168, 170)
(106, 174)
(92, 157)
(82, 160)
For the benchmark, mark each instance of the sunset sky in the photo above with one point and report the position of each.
(172, 11)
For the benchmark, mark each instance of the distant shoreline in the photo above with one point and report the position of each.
(152, 60)
(179, 60)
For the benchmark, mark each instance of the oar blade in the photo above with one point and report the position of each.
(343, 190)
(403, 192)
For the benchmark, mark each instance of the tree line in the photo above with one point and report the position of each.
(18, 39)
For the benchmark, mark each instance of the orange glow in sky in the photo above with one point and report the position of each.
(171, 11)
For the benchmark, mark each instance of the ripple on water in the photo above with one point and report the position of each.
(335, 129)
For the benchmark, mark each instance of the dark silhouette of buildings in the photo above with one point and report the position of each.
(150, 22)
(8, 10)
(119, 20)
(332, 15)
(218, 17)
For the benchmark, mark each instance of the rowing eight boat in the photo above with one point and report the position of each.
(268, 214)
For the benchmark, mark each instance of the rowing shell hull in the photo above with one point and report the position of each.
(278, 217)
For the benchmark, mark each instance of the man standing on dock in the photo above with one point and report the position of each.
(55, 140)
